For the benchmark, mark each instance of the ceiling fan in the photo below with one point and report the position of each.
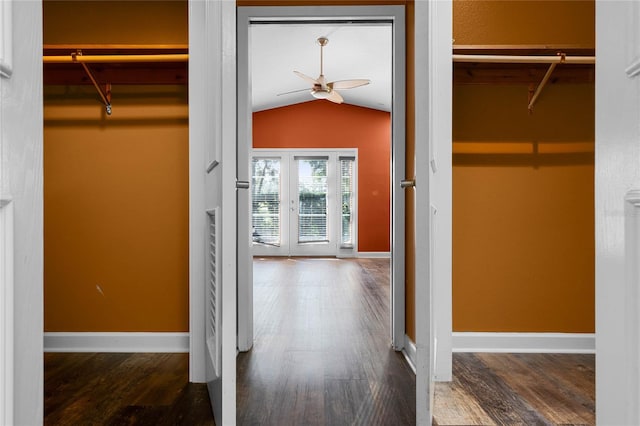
(320, 88)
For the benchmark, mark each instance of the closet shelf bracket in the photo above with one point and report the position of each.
(104, 94)
(534, 97)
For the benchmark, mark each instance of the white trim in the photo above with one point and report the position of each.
(116, 342)
(373, 255)
(396, 14)
(6, 317)
(409, 352)
(632, 309)
(570, 343)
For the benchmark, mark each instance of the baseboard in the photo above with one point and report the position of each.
(116, 342)
(409, 352)
(374, 254)
(576, 343)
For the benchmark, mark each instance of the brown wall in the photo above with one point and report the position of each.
(109, 22)
(532, 22)
(366, 129)
(116, 210)
(523, 210)
(116, 188)
(523, 196)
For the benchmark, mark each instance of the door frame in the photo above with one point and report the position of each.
(393, 14)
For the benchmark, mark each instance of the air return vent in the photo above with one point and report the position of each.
(213, 291)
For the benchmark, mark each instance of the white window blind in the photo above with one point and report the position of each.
(265, 187)
(347, 199)
(312, 199)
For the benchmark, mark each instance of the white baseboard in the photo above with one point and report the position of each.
(409, 352)
(575, 343)
(116, 342)
(374, 254)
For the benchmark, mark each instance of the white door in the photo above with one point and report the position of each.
(433, 26)
(212, 202)
(312, 219)
(304, 203)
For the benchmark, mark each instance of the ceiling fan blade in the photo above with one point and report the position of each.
(335, 97)
(306, 78)
(349, 84)
(293, 91)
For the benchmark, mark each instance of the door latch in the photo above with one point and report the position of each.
(242, 184)
(407, 183)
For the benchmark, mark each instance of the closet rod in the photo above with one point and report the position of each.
(524, 59)
(102, 59)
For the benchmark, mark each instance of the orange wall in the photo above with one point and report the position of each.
(523, 209)
(341, 126)
(116, 188)
(533, 22)
(523, 222)
(116, 210)
(115, 22)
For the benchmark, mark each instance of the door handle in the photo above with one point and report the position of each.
(242, 184)
(407, 183)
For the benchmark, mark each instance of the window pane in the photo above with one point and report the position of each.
(312, 200)
(265, 191)
(346, 195)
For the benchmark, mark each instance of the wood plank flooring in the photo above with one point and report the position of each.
(322, 353)
(122, 389)
(518, 389)
(321, 356)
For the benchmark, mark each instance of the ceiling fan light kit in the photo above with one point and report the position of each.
(320, 88)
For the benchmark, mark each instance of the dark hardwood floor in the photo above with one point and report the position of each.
(518, 389)
(122, 389)
(321, 356)
(322, 353)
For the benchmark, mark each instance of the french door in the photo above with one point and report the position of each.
(303, 203)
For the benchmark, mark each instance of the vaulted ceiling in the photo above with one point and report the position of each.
(354, 51)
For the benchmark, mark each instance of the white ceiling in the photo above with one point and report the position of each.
(353, 51)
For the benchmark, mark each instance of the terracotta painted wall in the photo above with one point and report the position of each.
(366, 129)
(523, 224)
(116, 188)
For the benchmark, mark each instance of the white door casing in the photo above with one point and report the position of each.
(617, 180)
(391, 14)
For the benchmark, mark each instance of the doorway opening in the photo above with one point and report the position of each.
(361, 46)
(373, 42)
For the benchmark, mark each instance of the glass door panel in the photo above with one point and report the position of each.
(303, 203)
(312, 204)
(266, 211)
(348, 202)
(312, 200)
